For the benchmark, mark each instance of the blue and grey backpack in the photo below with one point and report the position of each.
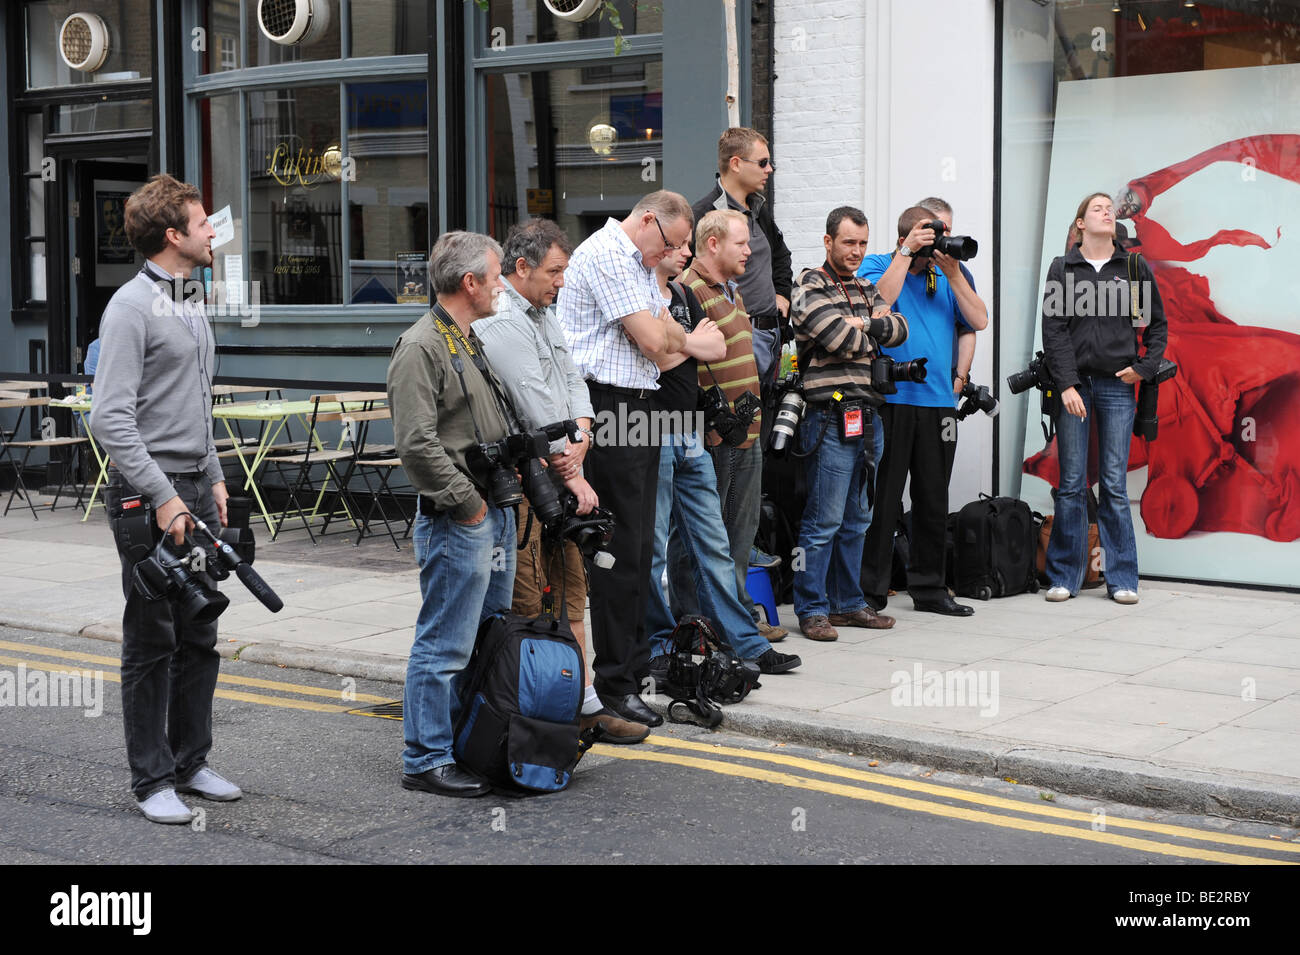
(519, 725)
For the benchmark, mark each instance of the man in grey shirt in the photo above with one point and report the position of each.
(527, 349)
(153, 416)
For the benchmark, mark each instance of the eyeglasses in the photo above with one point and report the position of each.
(668, 246)
(764, 163)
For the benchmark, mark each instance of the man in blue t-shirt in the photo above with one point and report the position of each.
(920, 419)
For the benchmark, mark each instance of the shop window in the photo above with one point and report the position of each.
(395, 27)
(281, 18)
(111, 41)
(29, 227)
(1186, 115)
(388, 198)
(221, 184)
(515, 23)
(569, 150)
(295, 200)
(110, 115)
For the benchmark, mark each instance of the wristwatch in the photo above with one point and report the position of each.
(591, 435)
(904, 251)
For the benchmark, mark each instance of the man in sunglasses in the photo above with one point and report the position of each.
(744, 165)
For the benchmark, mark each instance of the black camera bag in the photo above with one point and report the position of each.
(995, 543)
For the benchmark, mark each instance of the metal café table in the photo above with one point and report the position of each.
(80, 406)
(274, 416)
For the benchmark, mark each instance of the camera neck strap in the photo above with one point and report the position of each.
(828, 270)
(456, 341)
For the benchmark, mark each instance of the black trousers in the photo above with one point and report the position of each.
(920, 442)
(626, 479)
(169, 666)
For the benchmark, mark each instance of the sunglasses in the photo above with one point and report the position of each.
(764, 163)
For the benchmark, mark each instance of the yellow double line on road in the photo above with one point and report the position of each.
(244, 697)
(727, 768)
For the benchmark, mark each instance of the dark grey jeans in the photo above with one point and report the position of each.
(169, 668)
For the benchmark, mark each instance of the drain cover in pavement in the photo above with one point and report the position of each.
(383, 711)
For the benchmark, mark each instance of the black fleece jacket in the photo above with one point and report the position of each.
(1088, 328)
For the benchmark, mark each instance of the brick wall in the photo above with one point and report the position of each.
(819, 124)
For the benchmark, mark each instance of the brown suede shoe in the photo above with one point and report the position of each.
(612, 728)
(770, 633)
(866, 618)
(818, 628)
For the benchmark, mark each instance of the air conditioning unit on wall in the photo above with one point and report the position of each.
(83, 42)
(293, 22)
(575, 10)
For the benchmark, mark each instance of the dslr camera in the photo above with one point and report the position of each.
(731, 421)
(790, 406)
(522, 450)
(591, 533)
(885, 371)
(1037, 375)
(960, 247)
(977, 398)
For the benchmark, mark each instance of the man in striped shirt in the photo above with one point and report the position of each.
(721, 254)
(839, 323)
(614, 319)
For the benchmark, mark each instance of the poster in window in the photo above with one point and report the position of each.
(1214, 207)
(412, 278)
(111, 245)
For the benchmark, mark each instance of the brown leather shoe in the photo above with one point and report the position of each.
(817, 627)
(770, 633)
(612, 728)
(866, 618)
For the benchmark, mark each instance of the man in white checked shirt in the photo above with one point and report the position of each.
(614, 319)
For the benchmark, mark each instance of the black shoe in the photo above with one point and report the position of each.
(773, 662)
(448, 780)
(944, 605)
(876, 603)
(632, 708)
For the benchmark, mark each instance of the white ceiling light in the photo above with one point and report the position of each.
(574, 10)
(83, 42)
(293, 22)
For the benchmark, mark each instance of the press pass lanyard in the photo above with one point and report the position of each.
(831, 274)
(452, 334)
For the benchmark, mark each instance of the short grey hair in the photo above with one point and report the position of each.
(936, 205)
(666, 205)
(457, 254)
(531, 240)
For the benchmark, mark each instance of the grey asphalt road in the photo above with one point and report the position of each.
(321, 785)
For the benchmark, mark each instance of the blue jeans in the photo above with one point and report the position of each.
(836, 516)
(739, 485)
(687, 508)
(1113, 403)
(466, 575)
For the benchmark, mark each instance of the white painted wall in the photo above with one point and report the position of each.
(879, 103)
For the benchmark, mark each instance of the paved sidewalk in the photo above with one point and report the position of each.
(1190, 700)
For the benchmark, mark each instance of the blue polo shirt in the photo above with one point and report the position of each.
(932, 322)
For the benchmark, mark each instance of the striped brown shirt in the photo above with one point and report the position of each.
(833, 354)
(737, 372)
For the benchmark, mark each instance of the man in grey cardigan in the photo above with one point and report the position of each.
(153, 415)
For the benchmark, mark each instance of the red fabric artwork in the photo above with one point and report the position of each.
(1228, 453)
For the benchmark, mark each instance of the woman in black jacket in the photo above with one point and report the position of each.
(1091, 327)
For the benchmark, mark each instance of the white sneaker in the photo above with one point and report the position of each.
(209, 785)
(1057, 594)
(166, 807)
(1125, 596)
